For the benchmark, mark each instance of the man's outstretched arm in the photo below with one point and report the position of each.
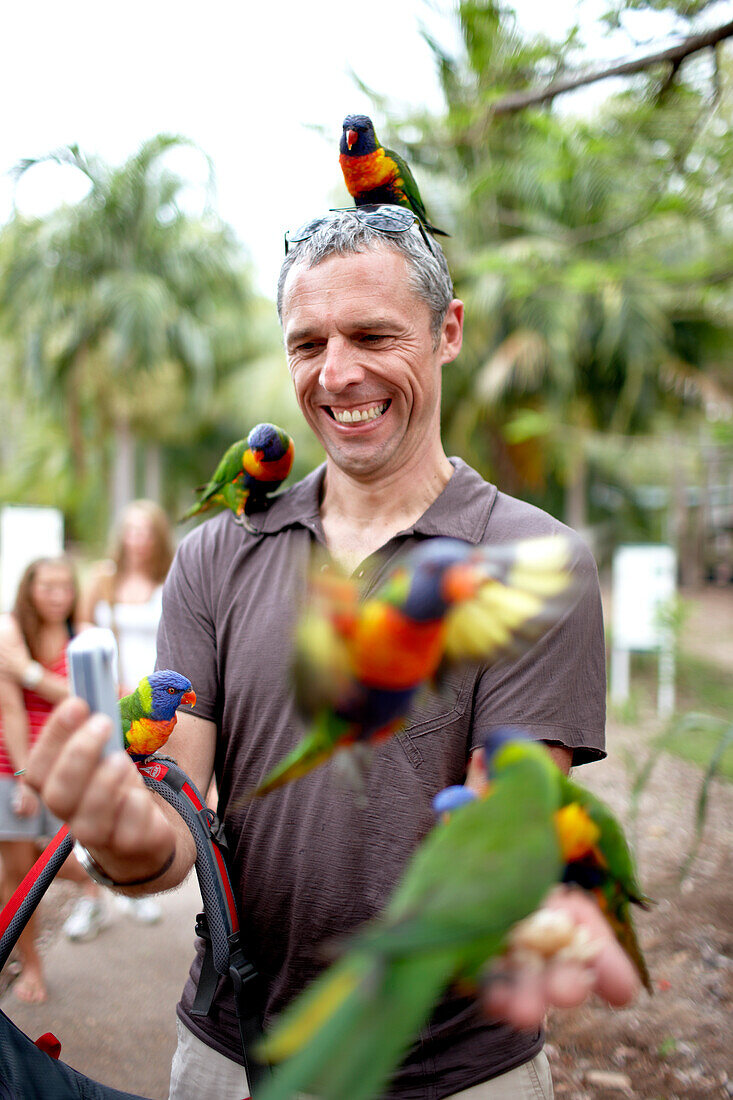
(129, 832)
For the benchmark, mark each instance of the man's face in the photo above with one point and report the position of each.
(361, 356)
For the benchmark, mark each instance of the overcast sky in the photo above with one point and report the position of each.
(244, 81)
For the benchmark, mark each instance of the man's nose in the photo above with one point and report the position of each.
(340, 367)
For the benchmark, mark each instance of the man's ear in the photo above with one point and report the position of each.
(452, 334)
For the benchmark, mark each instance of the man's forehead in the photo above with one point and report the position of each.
(348, 277)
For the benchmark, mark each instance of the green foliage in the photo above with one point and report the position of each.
(594, 254)
(125, 314)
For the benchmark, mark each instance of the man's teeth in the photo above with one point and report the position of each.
(346, 416)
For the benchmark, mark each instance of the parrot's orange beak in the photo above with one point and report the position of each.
(189, 697)
(462, 581)
(351, 137)
(252, 462)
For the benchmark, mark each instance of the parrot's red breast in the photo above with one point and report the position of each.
(368, 172)
(146, 735)
(390, 651)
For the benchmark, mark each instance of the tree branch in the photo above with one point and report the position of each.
(674, 56)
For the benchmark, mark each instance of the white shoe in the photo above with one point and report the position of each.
(144, 910)
(85, 921)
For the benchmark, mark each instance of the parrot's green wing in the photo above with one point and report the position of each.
(618, 886)
(529, 584)
(229, 467)
(409, 185)
(472, 878)
(131, 708)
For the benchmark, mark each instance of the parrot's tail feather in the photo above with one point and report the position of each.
(290, 770)
(368, 1015)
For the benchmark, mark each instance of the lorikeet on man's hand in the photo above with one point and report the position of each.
(374, 174)
(486, 866)
(595, 851)
(149, 713)
(359, 664)
(250, 470)
(472, 878)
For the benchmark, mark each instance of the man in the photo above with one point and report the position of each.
(369, 321)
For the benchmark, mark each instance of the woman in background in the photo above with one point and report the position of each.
(33, 678)
(125, 594)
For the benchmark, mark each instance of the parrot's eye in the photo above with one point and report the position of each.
(171, 691)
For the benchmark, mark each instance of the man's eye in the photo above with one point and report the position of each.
(373, 337)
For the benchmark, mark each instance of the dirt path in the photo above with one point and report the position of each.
(675, 1045)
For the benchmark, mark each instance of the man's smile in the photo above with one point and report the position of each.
(358, 415)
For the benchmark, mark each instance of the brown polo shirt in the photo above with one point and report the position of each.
(311, 862)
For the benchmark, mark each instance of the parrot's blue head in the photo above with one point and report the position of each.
(358, 138)
(497, 738)
(269, 441)
(450, 799)
(167, 690)
(439, 569)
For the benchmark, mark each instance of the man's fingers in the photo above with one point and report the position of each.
(74, 763)
(95, 814)
(61, 725)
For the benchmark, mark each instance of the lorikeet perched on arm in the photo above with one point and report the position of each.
(359, 664)
(149, 713)
(484, 868)
(374, 174)
(250, 470)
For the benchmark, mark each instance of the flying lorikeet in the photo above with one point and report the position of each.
(376, 175)
(250, 470)
(149, 713)
(486, 866)
(359, 664)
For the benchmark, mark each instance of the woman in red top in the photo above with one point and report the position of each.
(33, 678)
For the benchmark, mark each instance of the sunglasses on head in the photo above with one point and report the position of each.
(384, 218)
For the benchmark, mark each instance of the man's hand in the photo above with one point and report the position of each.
(521, 994)
(104, 800)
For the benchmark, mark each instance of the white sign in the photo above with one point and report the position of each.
(26, 534)
(644, 585)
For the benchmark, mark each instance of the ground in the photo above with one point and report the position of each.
(674, 1045)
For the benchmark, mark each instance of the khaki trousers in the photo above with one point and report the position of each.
(200, 1073)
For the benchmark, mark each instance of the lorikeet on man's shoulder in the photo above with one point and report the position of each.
(248, 473)
(149, 713)
(376, 175)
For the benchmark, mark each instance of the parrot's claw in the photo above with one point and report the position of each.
(242, 519)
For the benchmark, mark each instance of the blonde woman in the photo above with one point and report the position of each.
(125, 592)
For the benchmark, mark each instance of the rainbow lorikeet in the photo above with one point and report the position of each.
(149, 713)
(486, 866)
(374, 174)
(358, 664)
(249, 471)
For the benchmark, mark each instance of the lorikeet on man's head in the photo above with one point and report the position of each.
(149, 713)
(250, 470)
(374, 174)
(359, 663)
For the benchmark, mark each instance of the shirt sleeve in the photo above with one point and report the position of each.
(187, 640)
(556, 691)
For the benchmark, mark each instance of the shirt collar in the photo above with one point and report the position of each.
(460, 511)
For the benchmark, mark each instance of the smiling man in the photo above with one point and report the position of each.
(369, 322)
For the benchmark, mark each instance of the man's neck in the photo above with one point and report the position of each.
(358, 517)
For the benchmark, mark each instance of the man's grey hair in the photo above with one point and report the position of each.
(341, 232)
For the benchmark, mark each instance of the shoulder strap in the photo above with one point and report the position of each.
(219, 923)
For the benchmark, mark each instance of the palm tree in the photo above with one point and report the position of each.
(120, 298)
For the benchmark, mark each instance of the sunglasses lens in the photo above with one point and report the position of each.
(386, 219)
(303, 232)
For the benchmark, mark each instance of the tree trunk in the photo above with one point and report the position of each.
(576, 485)
(123, 469)
(153, 477)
